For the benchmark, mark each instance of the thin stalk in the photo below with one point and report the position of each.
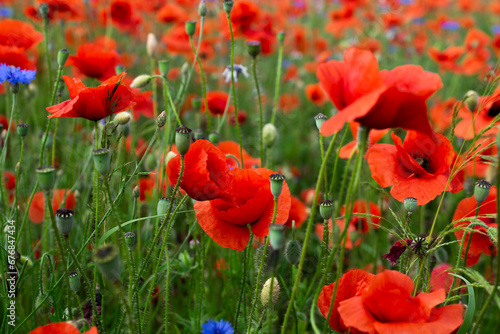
(244, 278)
(203, 85)
(165, 82)
(278, 81)
(261, 114)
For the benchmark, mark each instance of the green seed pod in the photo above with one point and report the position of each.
(266, 291)
(62, 57)
(102, 160)
(228, 6)
(326, 209)
(183, 139)
(130, 239)
(163, 205)
(190, 28)
(141, 81)
(270, 134)
(214, 137)
(472, 100)
(74, 281)
(119, 69)
(276, 181)
(161, 120)
(22, 129)
(46, 177)
(254, 48)
(276, 236)
(150, 162)
(410, 204)
(196, 103)
(107, 258)
(164, 67)
(44, 306)
(320, 119)
(481, 190)
(493, 234)
(293, 251)
(258, 257)
(65, 221)
(281, 36)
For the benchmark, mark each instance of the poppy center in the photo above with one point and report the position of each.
(494, 110)
(423, 162)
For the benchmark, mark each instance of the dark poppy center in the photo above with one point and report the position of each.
(494, 110)
(423, 162)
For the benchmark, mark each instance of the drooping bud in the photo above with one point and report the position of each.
(320, 119)
(65, 221)
(151, 45)
(228, 6)
(46, 177)
(43, 306)
(481, 190)
(276, 181)
(22, 129)
(214, 137)
(102, 160)
(293, 251)
(276, 236)
(270, 134)
(130, 239)
(326, 209)
(161, 120)
(136, 192)
(107, 258)
(472, 100)
(183, 139)
(254, 48)
(74, 281)
(202, 8)
(62, 57)
(122, 118)
(162, 206)
(141, 81)
(190, 28)
(164, 67)
(410, 204)
(267, 293)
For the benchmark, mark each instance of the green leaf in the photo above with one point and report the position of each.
(471, 307)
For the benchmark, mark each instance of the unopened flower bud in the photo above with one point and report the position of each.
(481, 190)
(130, 239)
(46, 177)
(102, 160)
(141, 81)
(276, 181)
(150, 163)
(326, 209)
(196, 102)
(161, 120)
(190, 28)
(107, 258)
(320, 119)
(410, 204)
(65, 221)
(162, 206)
(267, 293)
(214, 138)
(276, 236)
(24, 260)
(472, 100)
(253, 48)
(270, 134)
(136, 192)
(151, 45)
(74, 281)
(43, 306)
(62, 57)
(169, 156)
(22, 129)
(122, 118)
(281, 36)
(202, 8)
(183, 139)
(293, 251)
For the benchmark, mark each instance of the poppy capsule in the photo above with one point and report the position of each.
(65, 221)
(102, 160)
(326, 209)
(130, 239)
(410, 204)
(46, 177)
(320, 119)
(22, 129)
(183, 139)
(107, 258)
(62, 57)
(276, 184)
(74, 281)
(481, 190)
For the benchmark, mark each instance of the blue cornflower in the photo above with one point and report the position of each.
(15, 75)
(450, 25)
(217, 327)
(6, 12)
(496, 29)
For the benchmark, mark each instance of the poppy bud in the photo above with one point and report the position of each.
(46, 177)
(151, 45)
(107, 258)
(410, 204)
(258, 257)
(320, 119)
(493, 234)
(190, 28)
(164, 67)
(161, 120)
(202, 8)
(276, 184)
(119, 69)
(122, 118)
(62, 57)
(276, 236)
(22, 260)
(269, 134)
(44, 10)
(43, 307)
(326, 209)
(419, 246)
(228, 6)
(472, 100)
(253, 48)
(150, 162)
(141, 81)
(74, 281)
(266, 291)
(22, 129)
(162, 206)
(183, 139)
(102, 160)
(293, 251)
(136, 192)
(130, 239)
(281, 36)
(481, 190)
(65, 221)
(196, 102)
(214, 137)
(169, 156)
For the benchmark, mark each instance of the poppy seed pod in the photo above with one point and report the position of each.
(326, 209)
(164, 67)
(202, 8)
(320, 119)
(162, 207)
(62, 57)
(183, 139)
(281, 36)
(419, 246)
(46, 177)
(214, 137)
(22, 129)
(228, 6)
(269, 134)
(130, 239)
(190, 28)
(161, 119)
(119, 69)
(141, 81)
(266, 291)
(472, 100)
(276, 184)
(65, 221)
(481, 190)
(74, 281)
(293, 251)
(410, 204)
(151, 45)
(276, 236)
(253, 48)
(43, 307)
(136, 192)
(107, 258)
(102, 160)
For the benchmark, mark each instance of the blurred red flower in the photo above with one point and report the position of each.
(94, 61)
(37, 209)
(61, 328)
(298, 213)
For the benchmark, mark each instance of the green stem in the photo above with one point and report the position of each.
(278, 81)
(47, 54)
(261, 114)
(243, 280)
(203, 85)
(165, 82)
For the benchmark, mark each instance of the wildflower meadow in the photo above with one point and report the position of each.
(249, 166)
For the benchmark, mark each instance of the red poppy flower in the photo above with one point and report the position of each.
(447, 59)
(205, 174)
(376, 99)
(315, 95)
(480, 165)
(19, 34)
(419, 167)
(233, 148)
(172, 13)
(67, 10)
(397, 250)
(61, 328)
(94, 61)
(249, 201)
(387, 306)
(14, 56)
(298, 213)
(216, 101)
(242, 117)
(123, 15)
(441, 278)
(441, 114)
(349, 285)
(9, 180)
(37, 209)
(94, 103)
(480, 242)
(360, 223)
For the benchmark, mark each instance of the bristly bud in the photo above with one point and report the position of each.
(24, 260)
(276, 236)
(214, 137)
(254, 48)
(161, 120)
(62, 57)
(22, 129)
(46, 176)
(102, 160)
(119, 69)
(107, 258)
(267, 293)
(493, 234)
(65, 221)
(419, 246)
(293, 251)
(281, 37)
(320, 119)
(481, 190)
(151, 45)
(130, 239)
(44, 306)
(276, 184)
(472, 100)
(190, 28)
(183, 139)
(136, 192)
(202, 8)
(270, 134)
(141, 81)
(122, 118)
(162, 206)
(44, 11)
(410, 204)
(74, 281)
(164, 67)
(228, 6)
(326, 209)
